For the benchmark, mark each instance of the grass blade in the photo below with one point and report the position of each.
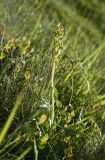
(11, 116)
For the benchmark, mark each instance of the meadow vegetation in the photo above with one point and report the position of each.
(52, 65)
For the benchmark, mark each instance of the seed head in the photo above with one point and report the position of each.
(58, 40)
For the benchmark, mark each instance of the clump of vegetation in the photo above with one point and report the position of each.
(51, 81)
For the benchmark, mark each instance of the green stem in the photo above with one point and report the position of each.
(52, 94)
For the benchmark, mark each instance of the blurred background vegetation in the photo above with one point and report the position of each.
(29, 34)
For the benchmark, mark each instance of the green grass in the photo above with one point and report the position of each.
(52, 96)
